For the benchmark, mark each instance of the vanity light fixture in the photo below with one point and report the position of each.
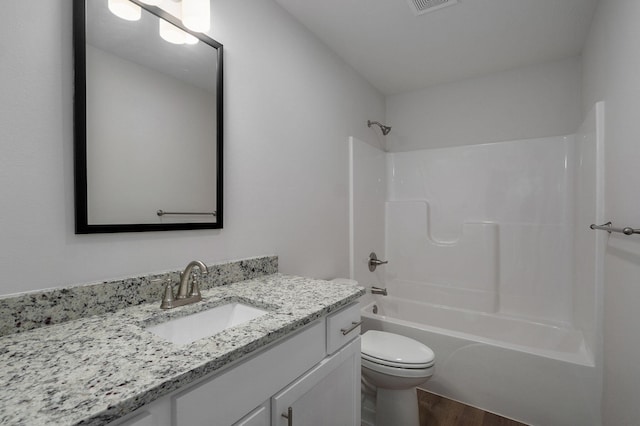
(170, 32)
(196, 15)
(125, 9)
(175, 35)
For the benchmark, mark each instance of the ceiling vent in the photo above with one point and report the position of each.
(419, 7)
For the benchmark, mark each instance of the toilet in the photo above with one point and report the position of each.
(392, 367)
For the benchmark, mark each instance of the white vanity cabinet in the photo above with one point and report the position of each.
(327, 395)
(316, 372)
(261, 416)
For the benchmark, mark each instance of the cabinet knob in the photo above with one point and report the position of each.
(289, 416)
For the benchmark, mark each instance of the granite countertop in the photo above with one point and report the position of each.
(93, 370)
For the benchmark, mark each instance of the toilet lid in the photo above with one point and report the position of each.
(395, 350)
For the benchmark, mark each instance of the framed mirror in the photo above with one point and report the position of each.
(147, 122)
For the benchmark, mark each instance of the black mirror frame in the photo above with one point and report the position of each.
(80, 131)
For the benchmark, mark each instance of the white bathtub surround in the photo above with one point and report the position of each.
(368, 191)
(492, 263)
(491, 223)
(425, 268)
(484, 227)
(589, 247)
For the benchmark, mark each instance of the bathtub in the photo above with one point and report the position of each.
(535, 373)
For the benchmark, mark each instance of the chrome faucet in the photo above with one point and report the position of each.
(184, 296)
(184, 280)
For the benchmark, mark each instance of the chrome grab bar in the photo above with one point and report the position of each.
(162, 213)
(609, 228)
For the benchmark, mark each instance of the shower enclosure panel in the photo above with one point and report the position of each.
(461, 273)
(495, 221)
(368, 192)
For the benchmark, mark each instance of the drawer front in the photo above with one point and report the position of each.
(342, 327)
(229, 396)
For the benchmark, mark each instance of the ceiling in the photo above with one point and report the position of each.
(397, 51)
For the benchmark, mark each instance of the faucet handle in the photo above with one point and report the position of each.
(374, 262)
(168, 298)
(195, 288)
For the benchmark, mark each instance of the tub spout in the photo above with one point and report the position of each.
(378, 290)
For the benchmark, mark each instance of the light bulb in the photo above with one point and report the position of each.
(125, 9)
(189, 39)
(196, 15)
(171, 33)
(168, 31)
(172, 7)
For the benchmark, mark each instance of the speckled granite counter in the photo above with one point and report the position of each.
(93, 370)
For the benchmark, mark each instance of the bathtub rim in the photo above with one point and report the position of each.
(581, 357)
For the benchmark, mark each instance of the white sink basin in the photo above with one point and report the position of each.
(206, 323)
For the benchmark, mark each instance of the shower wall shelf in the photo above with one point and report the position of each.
(610, 228)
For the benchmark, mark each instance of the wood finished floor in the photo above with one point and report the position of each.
(439, 411)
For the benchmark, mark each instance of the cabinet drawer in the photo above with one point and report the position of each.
(342, 327)
(227, 397)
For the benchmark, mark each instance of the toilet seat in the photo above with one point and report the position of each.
(384, 349)
(412, 366)
(404, 373)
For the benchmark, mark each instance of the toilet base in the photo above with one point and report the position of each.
(397, 407)
(368, 404)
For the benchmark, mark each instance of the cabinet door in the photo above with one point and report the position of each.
(327, 395)
(258, 417)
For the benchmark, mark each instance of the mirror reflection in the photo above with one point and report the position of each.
(152, 113)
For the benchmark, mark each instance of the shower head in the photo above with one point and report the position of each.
(385, 129)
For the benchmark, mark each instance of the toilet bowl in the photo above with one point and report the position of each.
(392, 367)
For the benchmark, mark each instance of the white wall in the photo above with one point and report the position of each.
(531, 102)
(290, 105)
(612, 74)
